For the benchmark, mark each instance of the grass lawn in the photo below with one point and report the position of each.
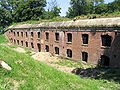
(3, 39)
(29, 74)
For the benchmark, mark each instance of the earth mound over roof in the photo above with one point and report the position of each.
(101, 22)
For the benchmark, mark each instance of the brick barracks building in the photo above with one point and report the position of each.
(95, 41)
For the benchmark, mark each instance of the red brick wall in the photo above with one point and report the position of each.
(94, 47)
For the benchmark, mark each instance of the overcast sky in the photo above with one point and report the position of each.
(64, 4)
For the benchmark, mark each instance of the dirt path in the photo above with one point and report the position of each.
(44, 57)
(19, 49)
(48, 59)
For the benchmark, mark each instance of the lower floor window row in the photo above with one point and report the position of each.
(69, 52)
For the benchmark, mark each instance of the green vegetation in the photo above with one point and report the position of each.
(86, 7)
(3, 39)
(24, 10)
(13, 46)
(30, 74)
(56, 19)
(69, 63)
(33, 11)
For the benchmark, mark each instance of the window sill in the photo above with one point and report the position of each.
(38, 39)
(46, 40)
(56, 41)
(31, 38)
(105, 47)
(85, 45)
(69, 42)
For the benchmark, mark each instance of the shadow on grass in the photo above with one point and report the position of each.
(110, 74)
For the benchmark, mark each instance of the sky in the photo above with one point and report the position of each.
(64, 4)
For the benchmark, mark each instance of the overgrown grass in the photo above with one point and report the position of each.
(13, 46)
(29, 74)
(3, 39)
(69, 63)
(56, 19)
(29, 52)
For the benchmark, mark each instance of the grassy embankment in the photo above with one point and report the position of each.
(57, 19)
(29, 74)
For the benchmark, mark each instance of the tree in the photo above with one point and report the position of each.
(29, 10)
(100, 8)
(82, 7)
(5, 17)
(22, 10)
(53, 9)
(114, 6)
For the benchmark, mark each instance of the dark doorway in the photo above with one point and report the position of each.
(18, 42)
(22, 43)
(46, 48)
(32, 45)
(39, 47)
(105, 60)
(85, 38)
(69, 53)
(84, 56)
(26, 44)
(106, 40)
(56, 50)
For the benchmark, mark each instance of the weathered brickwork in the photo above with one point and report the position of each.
(75, 45)
(95, 41)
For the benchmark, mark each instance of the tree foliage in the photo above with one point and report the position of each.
(21, 10)
(53, 9)
(29, 10)
(82, 7)
(85, 7)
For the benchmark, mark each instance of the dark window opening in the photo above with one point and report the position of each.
(69, 53)
(11, 40)
(85, 38)
(39, 47)
(26, 34)
(38, 34)
(26, 44)
(47, 35)
(106, 40)
(105, 60)
(57, 36)
(14, 41)
(46, 48)
(32, 34)
(22, 43)
(56, 50)
(17, 33)
(14, 33)
(22, 34)
(32, 45)
(84, 56)
(114, 56)
(69, 37)
(18, 42)
(116, 33)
